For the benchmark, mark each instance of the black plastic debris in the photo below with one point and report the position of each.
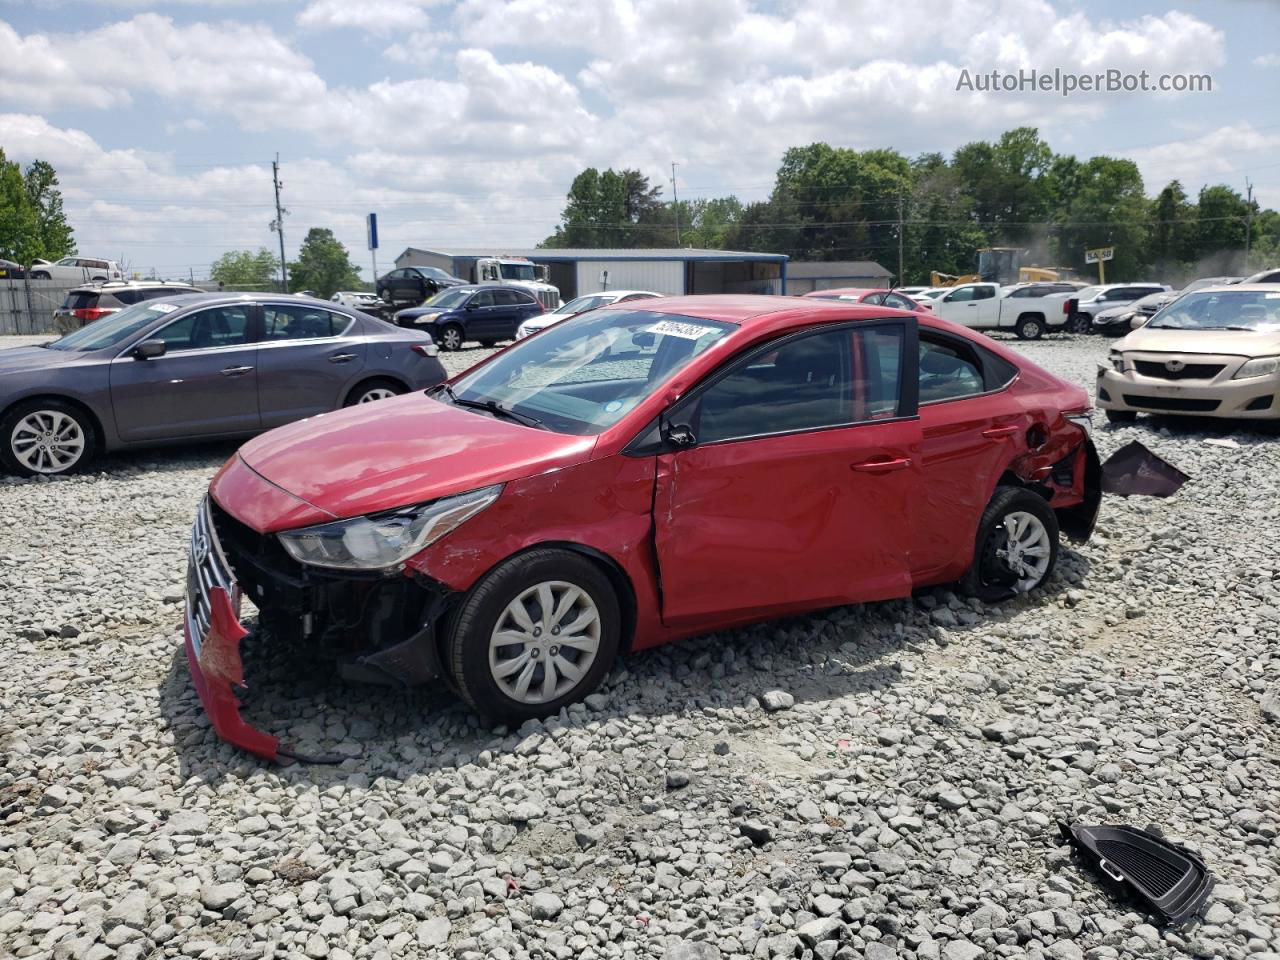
(1135, 470)
(1167, 879)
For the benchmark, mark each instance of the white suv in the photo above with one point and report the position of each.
(76, 269)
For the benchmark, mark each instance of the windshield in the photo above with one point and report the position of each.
(1088, 293)
(585, 373)
(435, 273)
(453, 297)
(114, 329)
(582, 304)
(1224, 310)
(517, 271)
(936, 293)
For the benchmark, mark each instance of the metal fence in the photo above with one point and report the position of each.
(26, 306)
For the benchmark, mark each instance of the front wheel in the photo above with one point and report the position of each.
(1029, 328)
(451, 337)
(372, 390)
(46, 438)
(40, 275)
(1016, 548)
(537, 633)
(1079, 323)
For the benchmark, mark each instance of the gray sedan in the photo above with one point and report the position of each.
(207, 366)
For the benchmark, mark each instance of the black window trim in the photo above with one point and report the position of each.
(253, 329)
(649, 440)
(263, 305)
(982, 353)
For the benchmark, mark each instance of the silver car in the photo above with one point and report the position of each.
(205, 366)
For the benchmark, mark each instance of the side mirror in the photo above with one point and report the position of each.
(150, 349)
(1138, 320)
(471, 305)
(679, 435)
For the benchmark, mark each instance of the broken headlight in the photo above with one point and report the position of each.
(1118, 362)
(386, 539)
(1259, 367)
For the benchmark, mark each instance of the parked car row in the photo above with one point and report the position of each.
(472, 312)
(597, 487)
(86, 269)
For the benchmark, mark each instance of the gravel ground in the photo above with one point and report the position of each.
(878, 781)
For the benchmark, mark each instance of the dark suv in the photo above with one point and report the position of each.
(414, 284)
(484, 312)
(93, 301)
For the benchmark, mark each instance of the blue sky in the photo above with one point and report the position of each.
(463, 122)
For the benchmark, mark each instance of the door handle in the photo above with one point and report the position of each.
(235, 371)
(881, 466)
(992, 433)
(342, 357)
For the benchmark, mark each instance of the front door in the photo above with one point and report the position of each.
(205, 384)
(797, 491)
(306, 361)
(484, 316)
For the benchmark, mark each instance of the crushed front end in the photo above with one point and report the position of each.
(373, 626)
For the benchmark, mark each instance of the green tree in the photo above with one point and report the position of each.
(323, 265)
(1221, 214)
(53, 232)
(613, 208)
(1173, 228)
(246, 270)
(19, 222)
(1108, 208)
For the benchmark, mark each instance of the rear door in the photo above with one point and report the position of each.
(485, 317)
(308, 360)
(797, 492)
(206, 384)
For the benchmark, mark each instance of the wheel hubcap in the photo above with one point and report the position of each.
(452, 339)
(47, 441)
(376, 393)
(544, 642)
(1026, 549)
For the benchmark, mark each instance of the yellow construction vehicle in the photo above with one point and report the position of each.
(1001, 265)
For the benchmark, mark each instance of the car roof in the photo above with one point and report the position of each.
(108, 285)
(843, 292)
(751, 309)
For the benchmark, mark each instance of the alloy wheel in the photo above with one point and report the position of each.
(451, 338)
(1026, 549)
(375, 393)
(47, 441)
(544, 642)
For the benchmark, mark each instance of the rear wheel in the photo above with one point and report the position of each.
(372, 390)
(1121, 416)
(451, 337)
(1079, 323)
(40, 275)
(46, 438)
(1029, 328)
(539, 632)
(1016, 548)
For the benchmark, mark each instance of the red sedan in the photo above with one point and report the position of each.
(628, 477)
(876, 297)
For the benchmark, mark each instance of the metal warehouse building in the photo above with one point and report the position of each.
(807, 276)
(671, 271)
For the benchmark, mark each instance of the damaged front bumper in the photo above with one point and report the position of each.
(372, 627)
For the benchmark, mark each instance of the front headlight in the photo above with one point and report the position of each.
(1118, 362)
(1261, 367)
(387, 539)
(425, 318)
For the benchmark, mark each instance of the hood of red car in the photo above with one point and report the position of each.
(376, 456)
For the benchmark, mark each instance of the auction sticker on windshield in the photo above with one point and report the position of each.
(686, 331)
(163, 307)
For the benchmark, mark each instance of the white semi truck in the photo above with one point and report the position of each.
(517, 271)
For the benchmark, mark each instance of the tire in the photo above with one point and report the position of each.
(1079, 323)
(370, 391)
(40, 275)
(451, 337)
(46, 438)
(1029, 328)
(488, 344)
(1121, 416)
(519, 584)
(385, 294)
(990, 577)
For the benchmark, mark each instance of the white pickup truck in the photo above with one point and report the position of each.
(1030, 311)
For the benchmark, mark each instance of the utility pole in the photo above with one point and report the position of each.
(278, 224)
(675, 205)
(900, 228)
(1248, 221)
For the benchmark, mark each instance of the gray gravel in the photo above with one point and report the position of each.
(878, 782)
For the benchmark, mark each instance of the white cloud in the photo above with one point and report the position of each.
(1223, 155)
(379, 17)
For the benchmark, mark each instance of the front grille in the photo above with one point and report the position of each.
(207, 568)
(1183, 404)
(1156, 874)
(1192, 371)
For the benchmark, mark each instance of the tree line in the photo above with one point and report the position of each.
(32, 222)
(835, 203)
(323, 267)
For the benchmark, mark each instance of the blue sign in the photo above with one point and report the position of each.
(371, 224)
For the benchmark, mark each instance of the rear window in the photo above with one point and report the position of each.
(77, 300)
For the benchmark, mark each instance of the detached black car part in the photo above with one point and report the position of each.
(1169, 880)
(1135, 470)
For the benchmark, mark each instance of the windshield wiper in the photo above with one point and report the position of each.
(490, 406)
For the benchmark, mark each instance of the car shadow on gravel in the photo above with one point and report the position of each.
(393, 733)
